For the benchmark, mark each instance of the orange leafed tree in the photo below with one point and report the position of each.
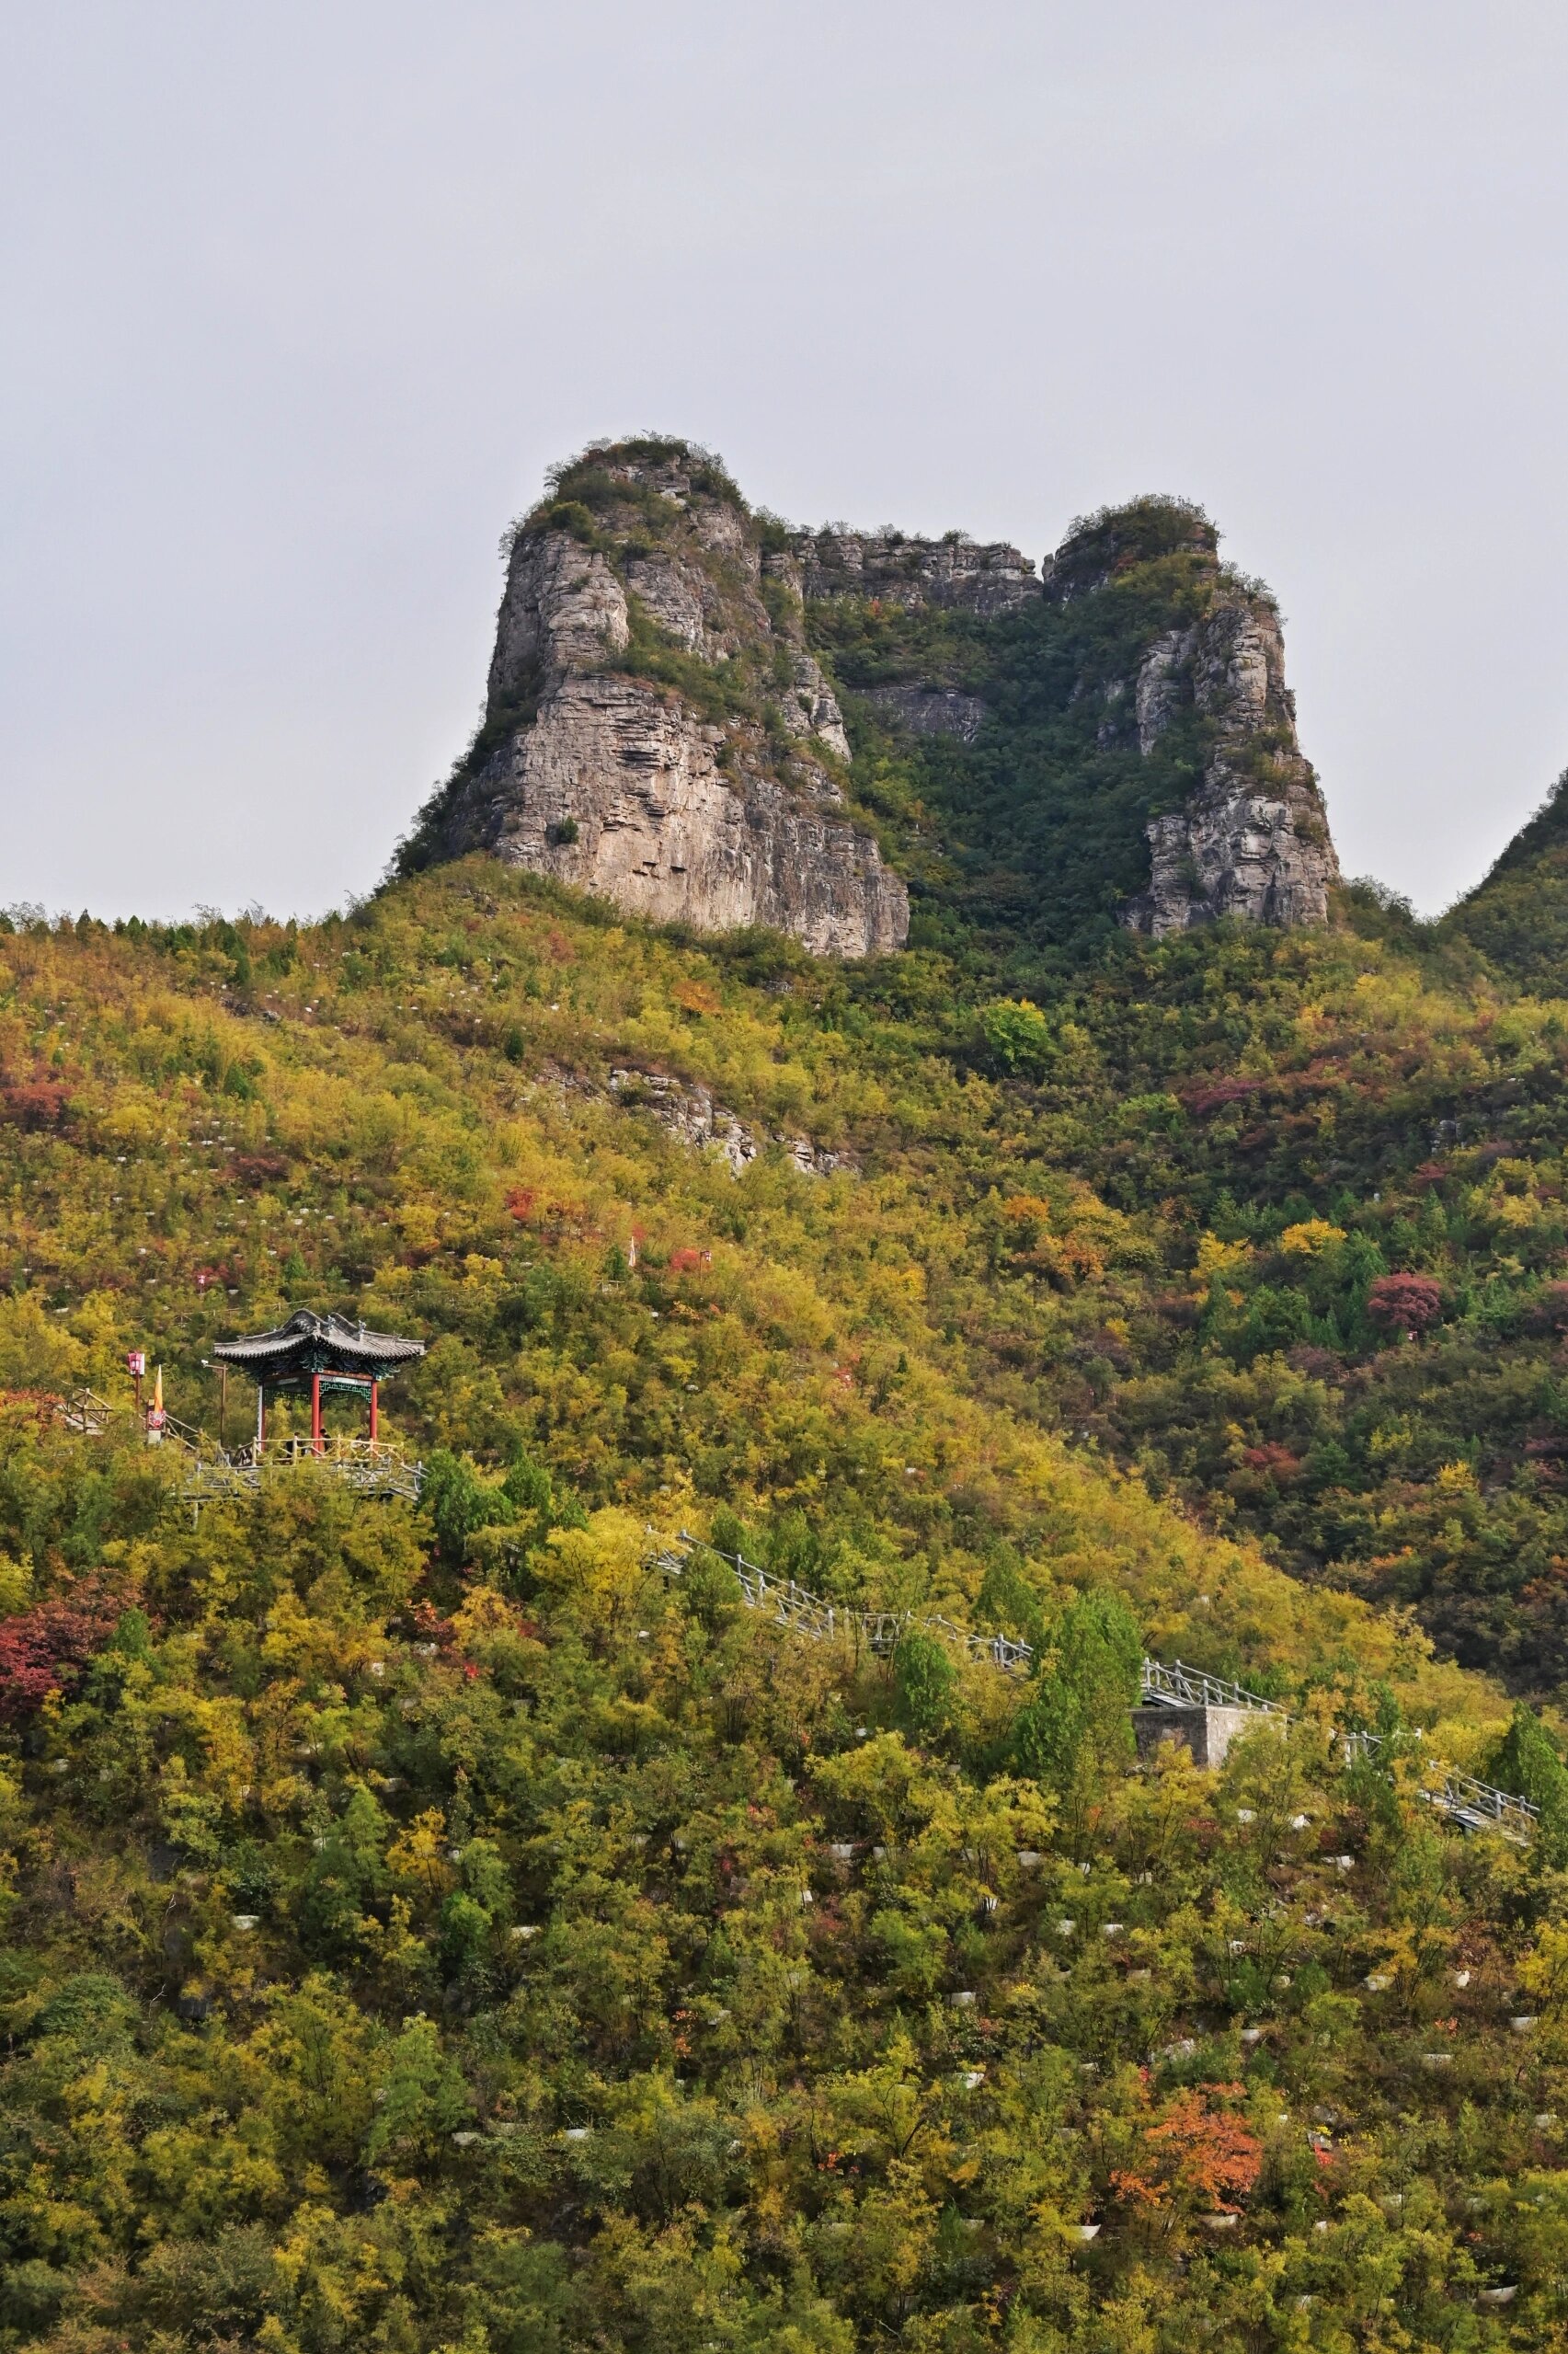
(1192, 2155)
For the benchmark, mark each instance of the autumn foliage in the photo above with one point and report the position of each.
(1194, 2151)
(1405, 1303)
(44, 1650)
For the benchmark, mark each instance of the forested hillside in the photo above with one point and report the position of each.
(1518, 914)
(439, 1928)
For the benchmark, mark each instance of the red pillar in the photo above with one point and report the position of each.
(315, 1412)
(373, 1412)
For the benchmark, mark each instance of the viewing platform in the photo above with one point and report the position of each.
(310, 1355)
(368, 1466)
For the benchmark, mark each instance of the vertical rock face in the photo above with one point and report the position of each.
(953, 574)
(1252, 839)
(659, 730)
(655, 730)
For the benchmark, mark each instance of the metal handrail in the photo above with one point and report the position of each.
(1176, 1685)
(1166, 1684)
(881, 1630)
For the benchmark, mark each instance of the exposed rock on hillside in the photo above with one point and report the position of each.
(655, 730)
(1113, 736)
(930, 710)
(953, 573)
(1253, 840)
(693, 1116)
(1137, 690)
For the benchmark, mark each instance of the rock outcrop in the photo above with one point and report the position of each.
(955, 574)
(659, 730)
(1253, 840)
(655, 730)
(691, 1114)
(929, 710)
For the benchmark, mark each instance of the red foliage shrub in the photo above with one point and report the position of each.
(227, 1273)
(39, 1408)
(428, 1624)
(1405, 1303)
(1271, 1457)
(257, 1169)
(45, 1649)
(34, 1104)
(1193, 2151)
(1218, 1093)
(686, 1260)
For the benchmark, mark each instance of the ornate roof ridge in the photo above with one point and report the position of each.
(305, 1327)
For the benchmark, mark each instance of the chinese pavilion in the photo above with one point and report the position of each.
(315, 1354)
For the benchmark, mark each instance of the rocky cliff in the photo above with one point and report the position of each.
(1252, 840)
(1110, 738)
(953, 574)
(655, 730)
(1128, 741)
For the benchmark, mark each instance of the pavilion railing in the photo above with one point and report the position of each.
(84, 1411)
(368, 1466)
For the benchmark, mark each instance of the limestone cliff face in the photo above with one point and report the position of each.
(659, 730)
(1200, 702)
(1253, 840)
(655, 730)
(953, 574)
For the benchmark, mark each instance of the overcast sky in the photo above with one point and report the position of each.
(301, 301)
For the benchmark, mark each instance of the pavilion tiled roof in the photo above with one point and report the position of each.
(354, 1345)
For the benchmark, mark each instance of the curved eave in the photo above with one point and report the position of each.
(316, 1345)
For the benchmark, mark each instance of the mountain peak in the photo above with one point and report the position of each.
(663, 724)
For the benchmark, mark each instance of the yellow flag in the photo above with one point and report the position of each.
(158, 1389)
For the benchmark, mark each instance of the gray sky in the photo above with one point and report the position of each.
(301, 300)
